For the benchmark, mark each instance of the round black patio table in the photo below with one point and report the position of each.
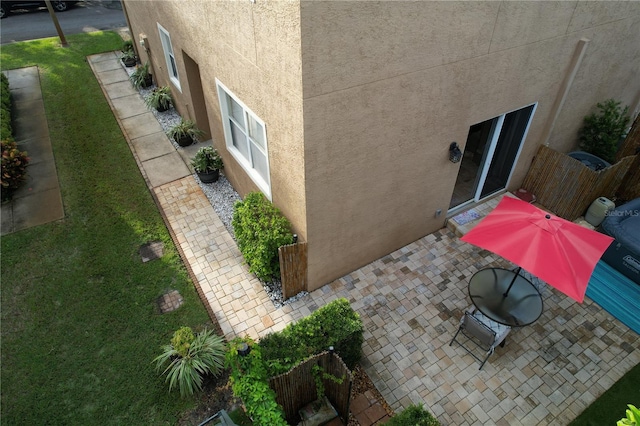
(505, 296)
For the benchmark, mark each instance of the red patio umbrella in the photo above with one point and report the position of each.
(555, 250)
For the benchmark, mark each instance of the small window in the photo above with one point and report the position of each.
(245, 137)
(172, 66)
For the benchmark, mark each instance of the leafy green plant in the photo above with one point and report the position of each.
(140, 77)
(249, 381)
(206, 160)
(14, 166)
(184, 129)
(189, 357)
(182, 339)
(632, 419)
(602, 131)
(413, 415)
(260, 228)
(319, 376)
(160, 98)
(335, 324)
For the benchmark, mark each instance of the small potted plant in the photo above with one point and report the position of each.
(141, 78)
(160, 99)
(185, 133)
(127, 46)
(207, 164)
(129, 58)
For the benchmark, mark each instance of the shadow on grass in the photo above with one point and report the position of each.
(80, 326)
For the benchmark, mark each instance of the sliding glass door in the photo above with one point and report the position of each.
(490, 153)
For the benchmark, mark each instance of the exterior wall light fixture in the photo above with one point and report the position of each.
(243, 349)
(455, 155)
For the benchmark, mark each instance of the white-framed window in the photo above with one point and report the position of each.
(246, 138)
(172, 65)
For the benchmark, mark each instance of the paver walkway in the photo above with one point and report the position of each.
(410, 302)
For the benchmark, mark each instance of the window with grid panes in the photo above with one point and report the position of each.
(245, 138)
(172, 67)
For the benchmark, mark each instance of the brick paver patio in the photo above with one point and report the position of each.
(410, 302)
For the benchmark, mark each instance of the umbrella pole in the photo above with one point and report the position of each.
(506, 293)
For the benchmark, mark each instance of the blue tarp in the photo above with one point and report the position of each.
(617, 295)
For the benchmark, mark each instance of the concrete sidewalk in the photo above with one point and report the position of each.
(410, 302)
(38, 200)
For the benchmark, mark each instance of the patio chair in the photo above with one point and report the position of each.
(483, 332)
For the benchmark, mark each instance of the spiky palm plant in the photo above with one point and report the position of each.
(190, 357)
(160, 98)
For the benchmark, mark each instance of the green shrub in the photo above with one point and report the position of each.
(260, 229)
(249, 381)
(189, 357)
(182, 339)
(602, 132)
(14, 167)
(335, 324)
(5, 114)
(207, 159)
(413, 415)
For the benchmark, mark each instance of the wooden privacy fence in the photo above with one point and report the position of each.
(631, 143)
(630, 186)
(566, 186)
(297, 387)
(293, 269)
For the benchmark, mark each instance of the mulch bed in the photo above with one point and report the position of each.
(217, 395)
(361, 384)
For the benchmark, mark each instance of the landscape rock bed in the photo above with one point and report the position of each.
(220, 194)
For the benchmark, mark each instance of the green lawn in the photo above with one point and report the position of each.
(79, 321)
(611, 406)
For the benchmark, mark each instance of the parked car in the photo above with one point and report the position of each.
(8, 6)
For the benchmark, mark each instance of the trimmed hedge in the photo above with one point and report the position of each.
(260, 228)
(14, 161)
(6, 131)
(413, 415)
(335, 324)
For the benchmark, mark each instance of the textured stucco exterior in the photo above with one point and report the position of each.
(254, 50)
(362, 99)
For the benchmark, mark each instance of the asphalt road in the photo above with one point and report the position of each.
(86, 16)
